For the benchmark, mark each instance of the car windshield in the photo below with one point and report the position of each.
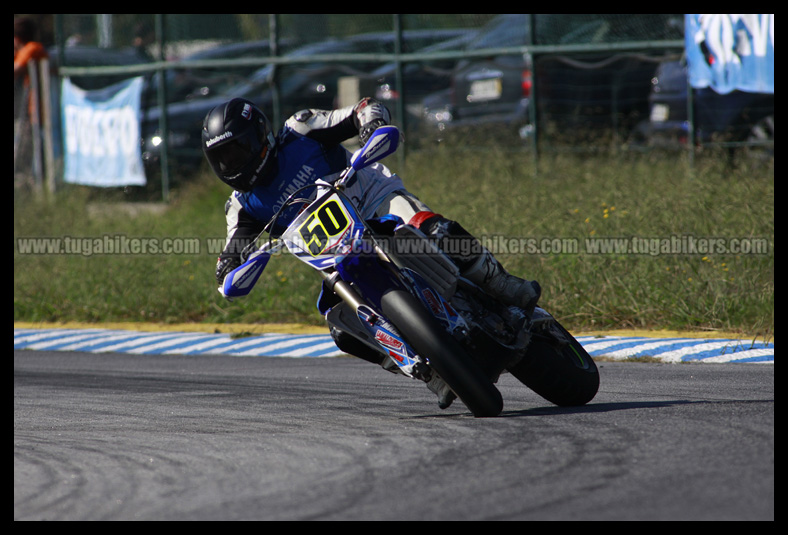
(505, 30)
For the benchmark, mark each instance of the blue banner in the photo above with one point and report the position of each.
(102, 134)
(730, 52)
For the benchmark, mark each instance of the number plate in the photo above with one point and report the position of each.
(322, 231)
(325, 227)
(482, 90)
(659, 113)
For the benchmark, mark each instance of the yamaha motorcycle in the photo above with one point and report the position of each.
(393, 290)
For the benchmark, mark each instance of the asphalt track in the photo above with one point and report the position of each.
(166, 436)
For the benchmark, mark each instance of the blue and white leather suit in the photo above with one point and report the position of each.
(308, 148)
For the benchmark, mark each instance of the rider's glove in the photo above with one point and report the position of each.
(225, 266)
(367, 129)
(370, 114)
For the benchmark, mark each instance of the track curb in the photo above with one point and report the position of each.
(299, 328)
(297, 340)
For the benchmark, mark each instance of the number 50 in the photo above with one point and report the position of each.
(325, 223)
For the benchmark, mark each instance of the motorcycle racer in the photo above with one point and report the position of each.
(264, 169)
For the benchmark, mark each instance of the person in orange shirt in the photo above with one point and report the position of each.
(26, 49)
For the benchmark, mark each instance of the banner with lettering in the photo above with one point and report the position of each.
(729, 52)
(102, 134)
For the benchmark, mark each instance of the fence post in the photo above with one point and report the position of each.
(46, 109)
(35, 126)
(690, 123)
(533, 116)
(161, 93)
(276, 112)
(400, 84)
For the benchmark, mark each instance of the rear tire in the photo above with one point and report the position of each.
(445, 355)
(564, 374)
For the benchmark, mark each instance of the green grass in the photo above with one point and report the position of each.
(494, 194)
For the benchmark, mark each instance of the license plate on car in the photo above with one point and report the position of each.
(659, 113)
(482, 90)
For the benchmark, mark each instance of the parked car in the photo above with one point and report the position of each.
(315, 84)
(734, 117)
(187, 83)
(491, 89)
(308, 84)
(581, 89)
(419, 78)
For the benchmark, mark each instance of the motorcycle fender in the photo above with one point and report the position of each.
(541, 319)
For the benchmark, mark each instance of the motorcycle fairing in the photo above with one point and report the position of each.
(324, 232)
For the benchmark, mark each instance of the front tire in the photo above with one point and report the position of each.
(561, 371)
(445, 355)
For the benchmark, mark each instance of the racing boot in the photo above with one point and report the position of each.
(480, 267)
(442, 390)
(489, 274)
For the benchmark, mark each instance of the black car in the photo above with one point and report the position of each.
(493, 89)
(419, 78)
(315, 83)
(735, 117)
(299, 83)
(304, 84)
(581, 89)
(187, 83)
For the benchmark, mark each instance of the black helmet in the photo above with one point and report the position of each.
(239, 144)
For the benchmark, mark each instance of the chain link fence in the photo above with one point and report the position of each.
(531, 82)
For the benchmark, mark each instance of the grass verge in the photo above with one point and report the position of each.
(626, 242)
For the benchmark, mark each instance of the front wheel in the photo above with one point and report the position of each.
(558, 368)
(445, 355)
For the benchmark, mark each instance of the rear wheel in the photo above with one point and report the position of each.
(558, 369)
(445, 355)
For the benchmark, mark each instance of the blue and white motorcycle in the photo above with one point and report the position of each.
(395, 292)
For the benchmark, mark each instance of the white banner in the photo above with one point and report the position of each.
(102, 135)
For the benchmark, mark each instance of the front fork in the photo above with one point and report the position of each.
(378, 330)
(344, 290)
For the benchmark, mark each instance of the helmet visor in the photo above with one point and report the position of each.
(231, 157)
